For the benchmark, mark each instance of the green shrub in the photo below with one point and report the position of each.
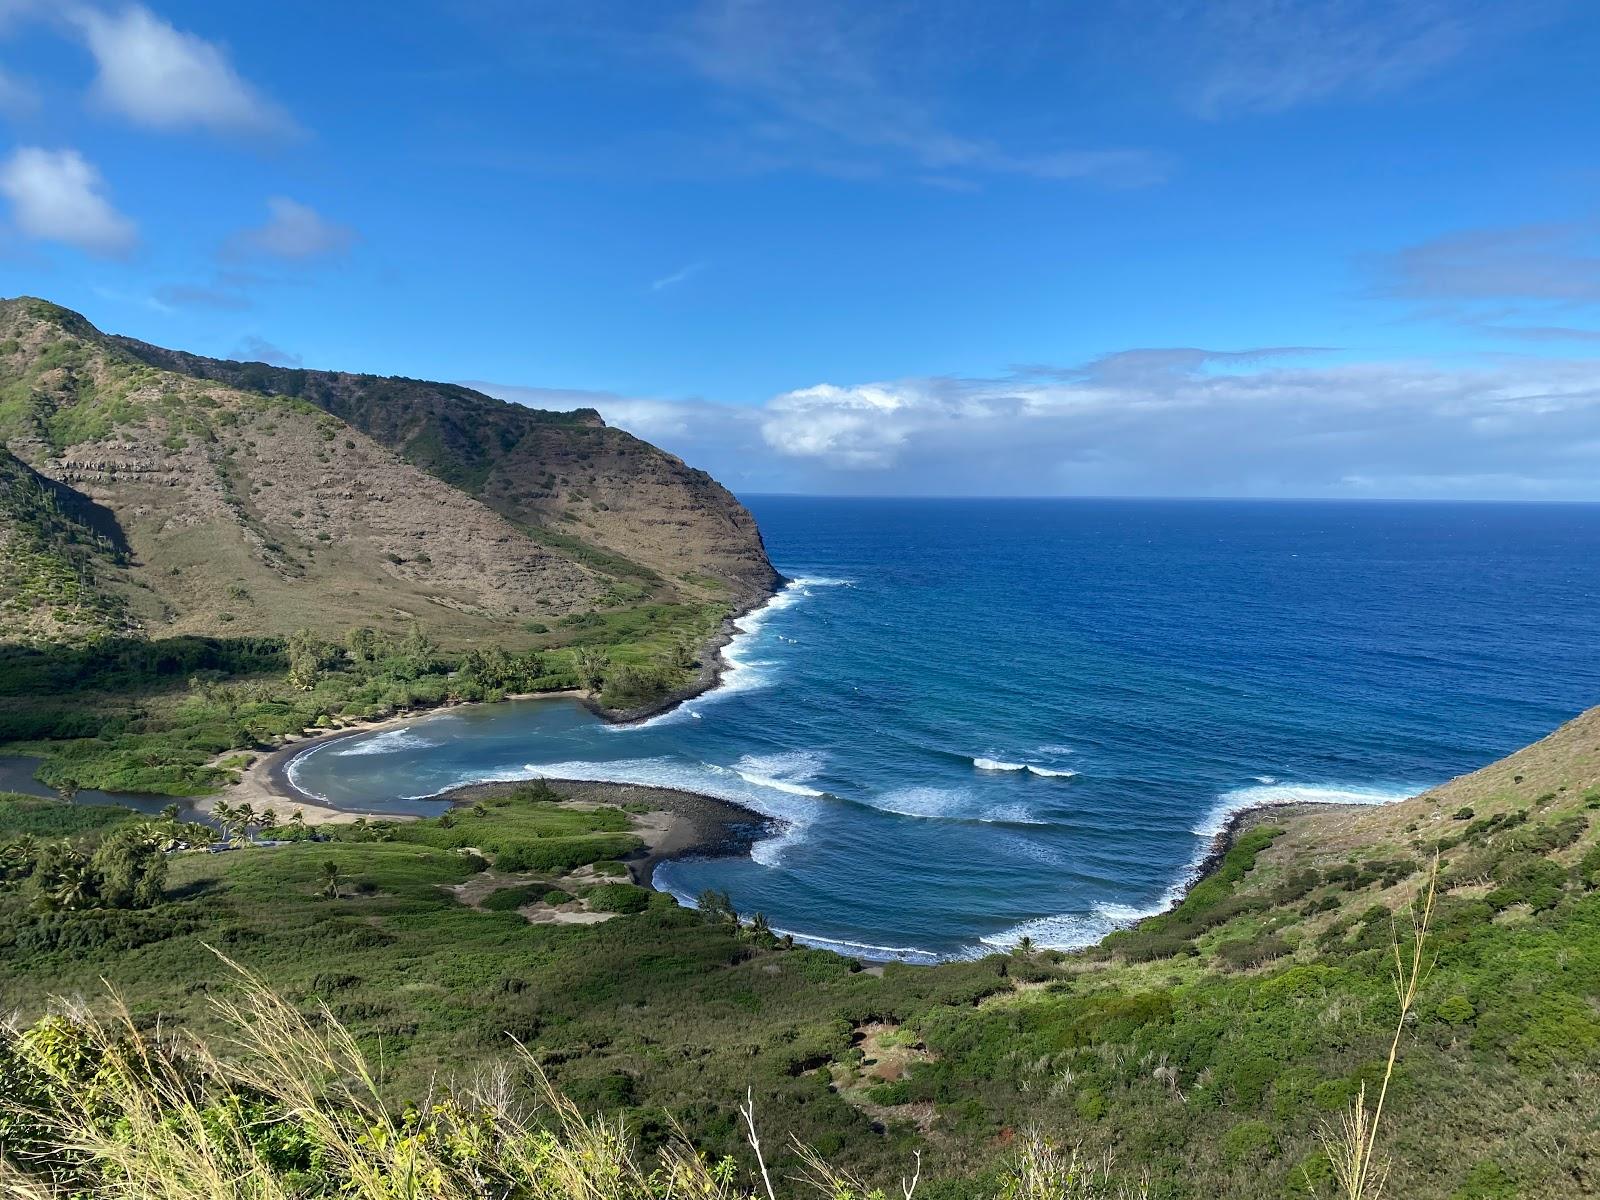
(890, 1094)
(617, 898)
(1252, 952)
(1248, 1142)
(509, 899)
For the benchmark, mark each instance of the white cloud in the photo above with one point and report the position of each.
(292, 230)
(162, 78)
(1165, 422)
(1154, 422)
(57, 195)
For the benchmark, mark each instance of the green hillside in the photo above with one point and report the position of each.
(1203, 1053)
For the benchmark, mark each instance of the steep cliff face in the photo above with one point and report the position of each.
(568, 475)
(243, 507)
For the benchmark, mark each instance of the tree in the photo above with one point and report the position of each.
(17, 860)
(308, 654)
(1024, 947)
(419, 654)
(131, 868)
(716, 907)
(169, 813)
(62, 879)
(68, 792)
(591, 665)
(362, 643)
(332, 876)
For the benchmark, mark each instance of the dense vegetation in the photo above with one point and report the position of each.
(1204, 1051)
(181, 716)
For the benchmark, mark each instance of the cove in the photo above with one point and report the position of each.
(986, 719)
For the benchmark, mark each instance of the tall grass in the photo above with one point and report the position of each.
(286, 1106)
(1351, 1144)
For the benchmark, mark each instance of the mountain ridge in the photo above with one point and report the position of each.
(248, 507)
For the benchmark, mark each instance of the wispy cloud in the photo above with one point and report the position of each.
(163, 78)
(59, 196)
(1265, 56)
(256, 349)
(1553, 261)
(681, 275)
(292, 231)
(851, 89)
(199, 295)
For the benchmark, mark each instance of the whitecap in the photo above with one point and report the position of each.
(786, 771)
(1049, 772)
(1073, 931)
(1239, 799)
(388, 742)
(743, 671)
(996, 764)
(944, 804)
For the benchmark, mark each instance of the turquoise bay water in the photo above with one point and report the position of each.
(983, 719)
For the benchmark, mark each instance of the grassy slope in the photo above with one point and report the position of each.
(1166, 1046)
(53, 562)
(593, 492)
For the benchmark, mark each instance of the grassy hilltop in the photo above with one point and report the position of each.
(1202, 1051)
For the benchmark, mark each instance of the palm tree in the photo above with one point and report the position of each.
(222, 813)
(1024, 947)
(332, 875)
(169, 813)
(245, 815)
(268, 818)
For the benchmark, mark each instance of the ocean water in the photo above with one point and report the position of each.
(984, 719)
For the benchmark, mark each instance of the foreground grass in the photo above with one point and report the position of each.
(98, 1108)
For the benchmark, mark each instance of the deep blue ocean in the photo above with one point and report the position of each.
(983, 719)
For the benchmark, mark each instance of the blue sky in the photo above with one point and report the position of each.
(1246, 247)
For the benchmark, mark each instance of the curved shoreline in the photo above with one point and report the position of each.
(267, 781)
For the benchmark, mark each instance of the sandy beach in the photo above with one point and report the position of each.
(677, 824)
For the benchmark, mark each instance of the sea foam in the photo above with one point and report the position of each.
(1229, 804)
(1073, 931)
(744, 671)
(390, 741)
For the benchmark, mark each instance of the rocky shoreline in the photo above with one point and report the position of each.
(678, 824)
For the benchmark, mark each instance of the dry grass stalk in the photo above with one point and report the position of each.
(1352, 1144)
